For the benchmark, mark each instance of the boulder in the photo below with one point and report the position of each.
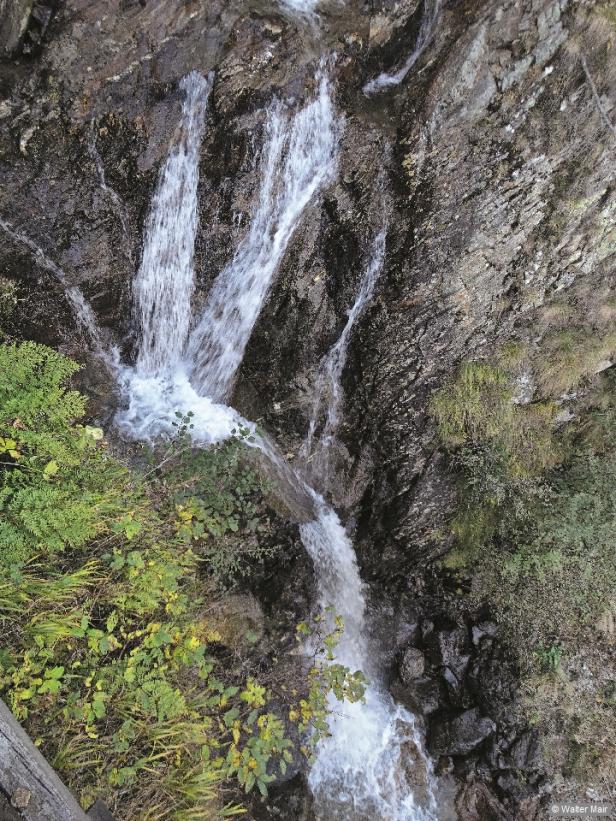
(452, 648)
(462, 734)
(483, 630)
(415, 774)
(421, 696)
(236, 620)
(475, 802)
(412, 666)
(525, 753)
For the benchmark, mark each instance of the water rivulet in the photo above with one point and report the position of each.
(426, 30)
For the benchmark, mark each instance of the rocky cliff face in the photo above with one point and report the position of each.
(492, 165)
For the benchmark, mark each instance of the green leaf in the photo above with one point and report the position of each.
(51, 468)
(230, 716)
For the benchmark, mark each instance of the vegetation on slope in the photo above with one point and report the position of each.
(534, 534)
(109, 655)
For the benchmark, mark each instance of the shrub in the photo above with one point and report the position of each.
(570, 357)
(536, 533)
(8, 299)
(477, 411)
(107, 655)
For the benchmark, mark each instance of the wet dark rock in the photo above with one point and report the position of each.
(525, 753)
(291, 801)
(14, 16)
(449, 648)
(461, 734)
(421, 696)
(408, 633)
(427, 629)
(491, 679)
(510, 784)
(454, 687)
(415, 771)
(484, 630)
(42, 15)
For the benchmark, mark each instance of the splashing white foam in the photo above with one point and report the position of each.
(364, 771)
(303, 8)
(153, 404)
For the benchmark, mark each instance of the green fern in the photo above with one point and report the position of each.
(58, 487)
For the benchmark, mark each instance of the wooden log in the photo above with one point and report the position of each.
(28, 780)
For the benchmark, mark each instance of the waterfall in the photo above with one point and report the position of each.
(359, 772)
(303, 8)
(176, 371)
(300, 158)
(164, 284)
(158, 387)
(384, 80)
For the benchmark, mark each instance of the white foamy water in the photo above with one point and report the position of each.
(360, 771)
(384, 80)
(299, 158)
(366, 770)
(303, 8)
(164, 284)
(153, 401)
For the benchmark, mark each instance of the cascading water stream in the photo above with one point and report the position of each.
(359, 772)
(164, 284)
(157, 386)
(299, 160)
(426, 30)
(303, 8)
(327, 389)
(176, 371)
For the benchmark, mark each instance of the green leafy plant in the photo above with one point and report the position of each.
(58, 489)
(108, 656)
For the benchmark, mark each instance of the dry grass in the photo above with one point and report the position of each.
(571, 357)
